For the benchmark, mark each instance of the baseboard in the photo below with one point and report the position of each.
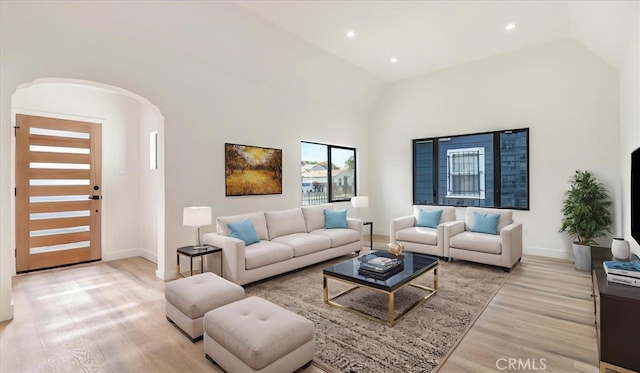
(551, 253)
(122, 254)
(6, 313)
(153, 258)
(165, 275)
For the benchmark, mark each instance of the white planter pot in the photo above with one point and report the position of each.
(582, 257)
(620, 248)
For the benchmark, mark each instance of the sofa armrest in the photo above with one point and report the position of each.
(511, 237)
(447, 230)
(356, 225)
(400, 223)
(451, 228)
(233, 258)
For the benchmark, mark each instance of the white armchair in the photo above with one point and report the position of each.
(425, 240)
(503, 249)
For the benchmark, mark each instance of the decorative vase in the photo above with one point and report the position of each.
(582, 257)
(620, 248)
(395, 248)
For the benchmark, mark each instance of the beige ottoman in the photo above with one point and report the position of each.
(188, 299)
(255, 335)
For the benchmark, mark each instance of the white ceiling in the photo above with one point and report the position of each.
(432, 35)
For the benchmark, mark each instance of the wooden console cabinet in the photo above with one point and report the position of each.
(617, 318)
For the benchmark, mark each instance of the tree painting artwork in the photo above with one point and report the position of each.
(252, 170)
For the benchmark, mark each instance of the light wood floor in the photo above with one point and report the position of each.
(543, 316)
(109, 317)
(100, 317)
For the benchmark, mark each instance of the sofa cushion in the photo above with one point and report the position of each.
(427, 236)
(244, 231)
(257, 218)
(314, 216)
(339, 236)
(429, 219)
(506, 217)
(266, 252)
(485, 223)
(280, 223)
(335, 219)
(304, 243)
(480, 242)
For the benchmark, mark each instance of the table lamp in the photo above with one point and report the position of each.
(197, 216)
(358, 202)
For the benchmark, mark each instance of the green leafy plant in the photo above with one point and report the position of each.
(586, 209)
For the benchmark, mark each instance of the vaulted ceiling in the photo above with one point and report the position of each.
(426, 36)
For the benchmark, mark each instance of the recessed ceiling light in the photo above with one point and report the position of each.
(393, 60)
(351, 34)
(510, 26)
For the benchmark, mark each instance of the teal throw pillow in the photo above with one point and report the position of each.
(429, 219)
(244, 231)
(485, 223)
(335, 219)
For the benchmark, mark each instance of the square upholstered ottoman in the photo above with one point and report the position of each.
(255, 335)
(188, 299)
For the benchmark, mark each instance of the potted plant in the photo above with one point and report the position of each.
(586, 215)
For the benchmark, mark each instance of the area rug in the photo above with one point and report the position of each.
(346, 342)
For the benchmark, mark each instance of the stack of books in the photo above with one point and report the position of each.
(381, 267)
(627, 273)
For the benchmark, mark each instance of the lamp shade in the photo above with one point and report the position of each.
(196, 216)
(360, 201)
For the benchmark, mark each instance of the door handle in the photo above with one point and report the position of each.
(94, 197)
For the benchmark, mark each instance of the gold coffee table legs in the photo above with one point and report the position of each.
(391, 307)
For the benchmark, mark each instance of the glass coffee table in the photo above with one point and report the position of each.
(415, 266)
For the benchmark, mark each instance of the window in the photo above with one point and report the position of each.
(465, 173)
(327, 173)
(484, 169)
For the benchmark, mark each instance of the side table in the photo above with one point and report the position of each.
(191, 252)
(370, 223)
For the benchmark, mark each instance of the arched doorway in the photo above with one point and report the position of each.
(133, 158)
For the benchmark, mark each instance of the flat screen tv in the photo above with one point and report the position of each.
(635, 195)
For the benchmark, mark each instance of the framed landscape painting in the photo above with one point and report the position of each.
(252, 170)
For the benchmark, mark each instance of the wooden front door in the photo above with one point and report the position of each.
(58, 192)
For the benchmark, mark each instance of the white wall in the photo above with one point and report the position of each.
(149, 182)
(217, 73)
(564, 94)
(629, 127)
(604, 27)
(120, 117)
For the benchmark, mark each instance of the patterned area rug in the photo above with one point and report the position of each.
(346, 342)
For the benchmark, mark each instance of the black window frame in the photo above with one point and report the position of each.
(497, 170)
(330, 198)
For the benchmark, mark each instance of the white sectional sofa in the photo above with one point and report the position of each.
(288, 240)
(502, 249)
(457, 239)
(423, 239)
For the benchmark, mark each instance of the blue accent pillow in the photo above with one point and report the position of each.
(429, 219)
(485, 223)
(335, 219)
(244, 231)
